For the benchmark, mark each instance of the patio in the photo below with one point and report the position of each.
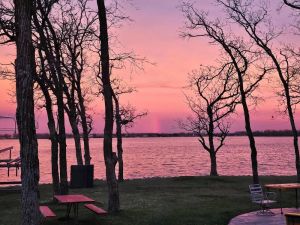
(253, 219)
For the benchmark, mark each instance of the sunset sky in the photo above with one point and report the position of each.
(155, 34)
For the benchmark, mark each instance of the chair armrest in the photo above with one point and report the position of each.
(271, 195)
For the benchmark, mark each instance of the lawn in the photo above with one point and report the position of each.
(158, 201)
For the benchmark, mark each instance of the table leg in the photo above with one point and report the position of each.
(76, 213)
(296, 198)
(280, 201)
(69, 206)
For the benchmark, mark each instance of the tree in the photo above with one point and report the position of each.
(25, 70)
(50, 46)
(77, 31)
(7, 34)
(240, 55)
(215, 95)
(109, 156)
(251, 20)
(125, 117)
(295, 4)
(41, 78)
(73, 33)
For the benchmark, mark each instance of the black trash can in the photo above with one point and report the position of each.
(82, 176)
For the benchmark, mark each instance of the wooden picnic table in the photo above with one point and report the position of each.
(73, 201)
(285, 186)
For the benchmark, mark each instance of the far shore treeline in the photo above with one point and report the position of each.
(265, 133)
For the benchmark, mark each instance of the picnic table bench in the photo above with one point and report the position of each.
(96, 209)
(46, 213)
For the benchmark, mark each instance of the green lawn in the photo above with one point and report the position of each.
(158, 201)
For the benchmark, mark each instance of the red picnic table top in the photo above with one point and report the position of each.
(73, 198)
(284, 186)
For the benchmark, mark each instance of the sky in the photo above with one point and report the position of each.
(154, 33)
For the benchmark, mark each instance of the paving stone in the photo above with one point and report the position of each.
(253, 218)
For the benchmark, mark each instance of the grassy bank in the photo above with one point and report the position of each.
(165, 201)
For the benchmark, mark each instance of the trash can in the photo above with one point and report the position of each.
(82, 176)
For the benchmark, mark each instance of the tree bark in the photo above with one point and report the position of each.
(42, 80)
(254, 164)
(119, 139)
(249, 132)
(212, 153)
(85, 132)
(54, 155)
(213, 164)
(62, 145)
(25, 70)
(53, 138)
(76, 135)
(71, 111)
(109, 157)
(289, 110)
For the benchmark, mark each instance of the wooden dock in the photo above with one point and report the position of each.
(9, 162)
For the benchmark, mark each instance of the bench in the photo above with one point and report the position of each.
(46, 212)
(96, 209)
(292, 218)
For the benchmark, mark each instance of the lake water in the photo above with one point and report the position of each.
(169, 157)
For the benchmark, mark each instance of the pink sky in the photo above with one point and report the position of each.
(154, 34)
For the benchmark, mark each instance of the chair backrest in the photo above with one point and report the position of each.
(257, 194)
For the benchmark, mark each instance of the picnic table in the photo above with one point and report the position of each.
(285, 186)
(73, 201)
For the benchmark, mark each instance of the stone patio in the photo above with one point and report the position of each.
(253, 219)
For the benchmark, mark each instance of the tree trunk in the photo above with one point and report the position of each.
(76, 136)
(213, 164)
(62, 144)
(249, 132)
(53, 137)
(212, 153)
(119, 139)
(56, 75)
(25, 70)
(293, 126)
(290, 111)
(85, 132)
(54, 157)
(109, 157)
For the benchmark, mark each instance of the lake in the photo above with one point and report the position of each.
(173, 156)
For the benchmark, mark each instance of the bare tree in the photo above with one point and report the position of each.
(240, 55)
(78, 35)
(295, 4)
(25, 70)
(109, 156)
(7, 23)
(125, 117)
(291, 70)
(244, 14)
(50, 46)
(7, 31)
(215, 96)
(42, 80)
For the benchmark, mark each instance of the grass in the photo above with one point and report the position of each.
(158, 201)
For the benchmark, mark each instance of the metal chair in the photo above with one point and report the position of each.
(264, 200)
